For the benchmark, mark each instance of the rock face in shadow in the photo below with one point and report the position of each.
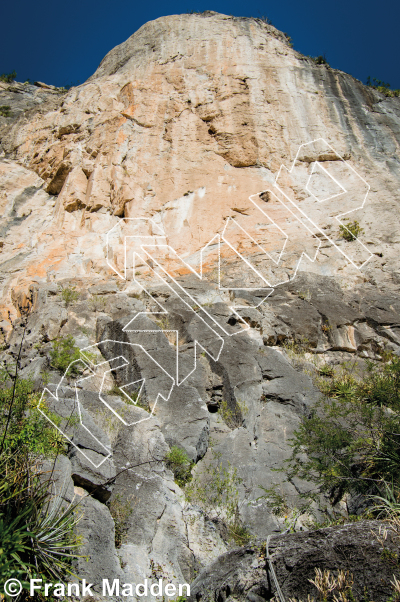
(358, 549)
(239, 408)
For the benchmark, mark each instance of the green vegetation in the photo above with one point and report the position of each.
(8, 78)
(297, 347)
(36, 527)
(351, 230)
(339, 588)
(326, 370)
(216, 491)
(178, 461)
(163, 322)
(381, 86)
(63, 353)
(63, 89)
(5, 111)
(288, 40)
(120, 510)
(351, 441)
(305, 295)
(265, 19)
(69, 294)
(25, 427)
(320, 60)
(132, 400)
(233, 418)
(97, 303)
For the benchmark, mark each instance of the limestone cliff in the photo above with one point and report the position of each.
(156, 188)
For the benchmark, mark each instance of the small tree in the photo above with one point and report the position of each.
(8, 78)
(69, 294)
(177, 460)
(63, 353)
(351, 440)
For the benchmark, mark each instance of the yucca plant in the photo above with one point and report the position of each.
(51, 526)
(388, 502)
(36, 523)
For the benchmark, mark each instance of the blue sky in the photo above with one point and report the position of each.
(62, 43)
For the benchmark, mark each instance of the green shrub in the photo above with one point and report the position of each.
(5, 110)
(8, 77)
(67, 87)
(320, 60)
(24, 427)
(36, 528)
(296, 348)
(69, 295)
(63, 353)
(178, 461)
(132, 400)
(381, 86)
(351, 441)
(326, 370)
(350, 231)
(288, 40)
(97, 303)
(216, 491)
(265, 19)
(238, 531)
(120, 510)
(233, 418)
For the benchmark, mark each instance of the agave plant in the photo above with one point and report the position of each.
(388, 503)
(51, 526)
(36, 524)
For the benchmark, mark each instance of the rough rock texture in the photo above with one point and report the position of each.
(219, 103)
(245, 574)
(26, 98)
(196, 341)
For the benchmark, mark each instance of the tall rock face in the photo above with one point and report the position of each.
(185, 209)
(183, 122)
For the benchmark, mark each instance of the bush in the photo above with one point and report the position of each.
(320, 60)
(97, 303)
(5, 110)
(131, 398)
(216, 492)
(351, 441)
(233, 418)
(120, 510)
(63, 353)
(23, 427)
(36, 527)
(69, 295)
(266, 20)
(178, 461)
(326, 370)
(350, 231)
(382, 87)
(288, 40)
(8, 77)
